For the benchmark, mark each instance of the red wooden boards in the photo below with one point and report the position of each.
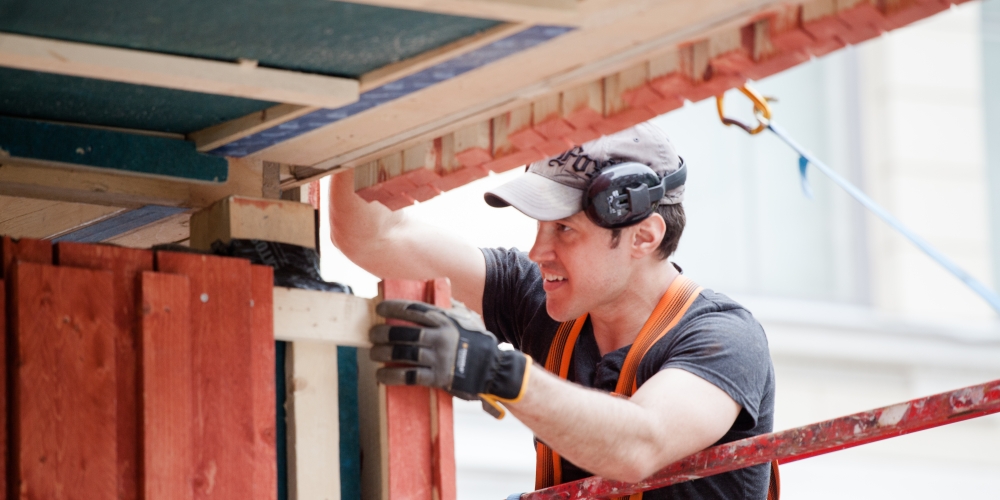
(27, 250)
(125, 264)
(419, 423)
(63, 359)
(166, 424)
(265, 472)
(221, 325)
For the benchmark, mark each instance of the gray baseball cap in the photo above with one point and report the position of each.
(553, 188)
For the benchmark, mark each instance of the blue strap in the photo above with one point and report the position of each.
(515, 496)
(805, 158)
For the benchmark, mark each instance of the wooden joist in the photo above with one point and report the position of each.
(29, 218)
(636, 65)
(237, 79)
(315, 316)
(238, 217)
(642, 86)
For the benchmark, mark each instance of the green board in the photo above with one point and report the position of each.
(316, 36)
(135, 153)
(45, 96)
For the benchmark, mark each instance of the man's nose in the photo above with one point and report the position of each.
(541, 251)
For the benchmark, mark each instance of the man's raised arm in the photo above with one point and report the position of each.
(391, 245)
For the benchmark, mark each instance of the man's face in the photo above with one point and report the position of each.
(581, 270)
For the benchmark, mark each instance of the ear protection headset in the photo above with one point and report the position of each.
(626, 193)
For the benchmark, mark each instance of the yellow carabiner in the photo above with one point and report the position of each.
(761, 111)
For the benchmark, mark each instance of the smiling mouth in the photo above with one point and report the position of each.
(552, 278)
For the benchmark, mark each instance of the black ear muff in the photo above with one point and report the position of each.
(626, 193)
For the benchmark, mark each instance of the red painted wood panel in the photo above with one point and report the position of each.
(24, 249)
(3, 388)
(126, 264)
(443, 424)
(408, 420)
(265, 474)
(63, 414)
(164, 358)
(223, 401)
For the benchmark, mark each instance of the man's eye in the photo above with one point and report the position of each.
(562, 228)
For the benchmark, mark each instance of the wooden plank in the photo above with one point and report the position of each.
(239, 217)
(165, 364)
(243, 79)
(224, 133)
(265, 472)
(64, 423)
(408, 422)
(125, 264)
(174, 229)
(30, 218)
(442, 414)
(25, 250)
(372, 425)
(395, 71)
(3, 389)
(313, 422)
(53, 182)
(316, 316)
(120, 223)
(221, 321)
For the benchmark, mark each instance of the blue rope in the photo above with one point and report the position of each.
(806, 158)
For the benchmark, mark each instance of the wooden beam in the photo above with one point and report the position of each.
(315, 316)
(313, 430)
(240, 79)
(395, 71)
(30, 218)
(120, 223)
(238, 217)
(83, 185)
(562, 12)
(173, 229)
(224, 133)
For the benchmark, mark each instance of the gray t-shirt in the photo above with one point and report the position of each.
(717, 340)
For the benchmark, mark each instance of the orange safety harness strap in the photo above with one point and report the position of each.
(667, 313)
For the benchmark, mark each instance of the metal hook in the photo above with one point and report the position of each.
(761, 111)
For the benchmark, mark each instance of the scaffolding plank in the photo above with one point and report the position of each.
(265, 473)
(63, 339)
(125, 264)
(223, 400)
(166, 423)
(799, 443)
(24, 249)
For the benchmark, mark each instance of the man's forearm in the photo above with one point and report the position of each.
(606, 435)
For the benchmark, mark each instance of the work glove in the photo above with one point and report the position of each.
(449, 349)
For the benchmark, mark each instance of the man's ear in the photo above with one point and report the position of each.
(647, 235)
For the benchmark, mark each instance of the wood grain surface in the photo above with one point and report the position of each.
(64, 382)
(265, 472)
(166, 424)
(126, 264)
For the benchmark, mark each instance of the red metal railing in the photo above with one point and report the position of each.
(802, 442)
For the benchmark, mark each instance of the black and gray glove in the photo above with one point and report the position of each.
(449, 349)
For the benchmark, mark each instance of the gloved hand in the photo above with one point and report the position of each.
(450, 349)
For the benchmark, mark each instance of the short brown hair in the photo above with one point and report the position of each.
(673, 216)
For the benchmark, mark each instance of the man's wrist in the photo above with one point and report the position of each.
(510, 379)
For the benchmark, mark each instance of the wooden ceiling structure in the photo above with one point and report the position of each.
(118, 119)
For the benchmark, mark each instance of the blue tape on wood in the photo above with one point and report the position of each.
(513, 44)
(120, 224)
(136, 153)
(350, 433)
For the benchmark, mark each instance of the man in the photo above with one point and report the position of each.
(603, 273)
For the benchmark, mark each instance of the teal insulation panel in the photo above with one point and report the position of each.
(315, 36)
(45, 96)
(135, 153)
